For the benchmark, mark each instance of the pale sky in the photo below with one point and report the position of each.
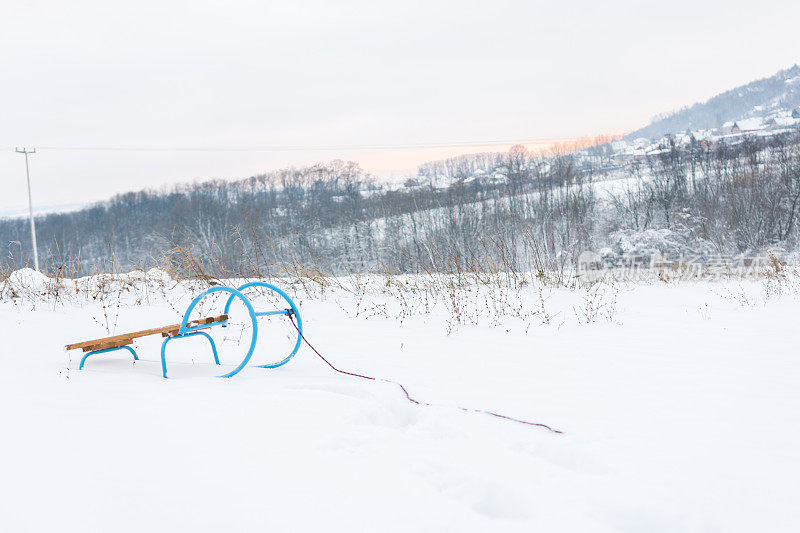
(297, 77)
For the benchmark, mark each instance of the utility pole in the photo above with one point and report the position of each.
(27, 151)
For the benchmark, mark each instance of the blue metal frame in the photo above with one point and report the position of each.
(187, 331)
(294, 310)
(192, 334)
(83, 360)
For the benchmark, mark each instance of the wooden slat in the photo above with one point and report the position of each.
(174, 328)
(174, 331)
(143, 333)
(107, 345)
(113, 338)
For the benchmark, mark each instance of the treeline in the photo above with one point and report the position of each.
(333, 215)
(738, 197)
(500, 211)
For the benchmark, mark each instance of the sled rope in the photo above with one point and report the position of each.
(411, 399)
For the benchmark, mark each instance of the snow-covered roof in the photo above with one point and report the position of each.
(785, 121)
(619, 145)
(751, 124)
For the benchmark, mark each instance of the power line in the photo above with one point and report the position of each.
(310, 148)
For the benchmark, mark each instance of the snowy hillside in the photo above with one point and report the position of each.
(768, 99)
(677, 402)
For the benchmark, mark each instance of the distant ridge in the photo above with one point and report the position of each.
(760, 98)
(22, 212)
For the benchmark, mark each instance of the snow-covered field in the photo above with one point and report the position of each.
(679, 404)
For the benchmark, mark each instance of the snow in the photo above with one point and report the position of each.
(785, 121)
(661, 242)
(751, 124)
(29, 278)
(678, 403)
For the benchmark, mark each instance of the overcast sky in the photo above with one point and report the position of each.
(338, 75)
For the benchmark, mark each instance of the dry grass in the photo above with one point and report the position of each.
(469, 292)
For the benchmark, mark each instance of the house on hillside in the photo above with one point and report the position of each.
(731, 127)
(751, 124)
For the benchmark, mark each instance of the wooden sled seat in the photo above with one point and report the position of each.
(124, 340)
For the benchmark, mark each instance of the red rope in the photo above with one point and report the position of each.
(290, 314)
